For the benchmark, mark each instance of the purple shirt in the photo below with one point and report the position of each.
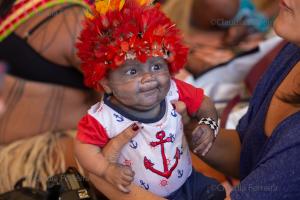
(270, 167)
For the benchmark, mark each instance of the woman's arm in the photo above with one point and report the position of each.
(225, 153)
(136, 193)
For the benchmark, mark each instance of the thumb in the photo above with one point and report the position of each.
(180, 107)
(112, 149)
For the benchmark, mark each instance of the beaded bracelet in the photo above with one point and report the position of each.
(211, 124)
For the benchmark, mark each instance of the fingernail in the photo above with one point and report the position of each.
(135, 127)
(174, 106)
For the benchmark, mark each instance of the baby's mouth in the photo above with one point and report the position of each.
(150, 91)
(149, 87)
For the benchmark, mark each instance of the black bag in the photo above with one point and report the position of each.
(66, 186)
(69, 185)
(24, 193)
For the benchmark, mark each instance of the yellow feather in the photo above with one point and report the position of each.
(122, 2)
(144, 2)
(88, 14)
(103, 6)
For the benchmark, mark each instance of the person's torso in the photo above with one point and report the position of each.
(39, 48)
(255, 142)
(41, 91)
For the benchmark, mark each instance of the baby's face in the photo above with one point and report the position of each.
(140, 86)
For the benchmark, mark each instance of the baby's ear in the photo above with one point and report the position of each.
(105, 84)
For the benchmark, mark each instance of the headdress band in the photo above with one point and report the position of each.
(118, 30)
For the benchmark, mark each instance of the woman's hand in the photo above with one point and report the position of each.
(119, 175)
(112, 149)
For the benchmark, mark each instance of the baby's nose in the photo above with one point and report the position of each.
(147, 77)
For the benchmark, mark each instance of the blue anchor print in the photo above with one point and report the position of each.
(173, 113)
(145, 186)
(119, 118)
(181, 150)
(133, 144)
(180, 173)
(172, 136)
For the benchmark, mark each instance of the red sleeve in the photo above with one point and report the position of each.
(190, 95)
(90, 131)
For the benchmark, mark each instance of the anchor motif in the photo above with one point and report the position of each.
(133, 144)
(149, 165)
(180, 173)
(119, 118)
(181, 150)
(172, 136)
(145, 185)
(173, 113)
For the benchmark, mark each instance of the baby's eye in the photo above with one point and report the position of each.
(131, 72)
(156, 67)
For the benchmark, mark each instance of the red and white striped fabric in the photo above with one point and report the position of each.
(25, 9)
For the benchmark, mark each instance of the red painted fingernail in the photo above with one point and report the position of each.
(174, 106)
(135, 127)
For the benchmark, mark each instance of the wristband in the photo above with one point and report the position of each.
(211, 124)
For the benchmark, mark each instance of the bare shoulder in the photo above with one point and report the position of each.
(72, 25)
(56, 36)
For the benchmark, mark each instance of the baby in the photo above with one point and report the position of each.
(131, 51)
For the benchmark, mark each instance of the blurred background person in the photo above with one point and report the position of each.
(43, 89)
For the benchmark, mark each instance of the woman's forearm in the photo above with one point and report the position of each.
(136, 193)
(225, 153)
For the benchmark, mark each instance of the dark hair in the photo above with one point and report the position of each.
(5, 6)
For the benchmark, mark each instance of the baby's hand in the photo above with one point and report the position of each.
(119, 175)
(202, 139)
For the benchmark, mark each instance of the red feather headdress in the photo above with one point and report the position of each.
(128, 30)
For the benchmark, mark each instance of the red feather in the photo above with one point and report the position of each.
(142, 30)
